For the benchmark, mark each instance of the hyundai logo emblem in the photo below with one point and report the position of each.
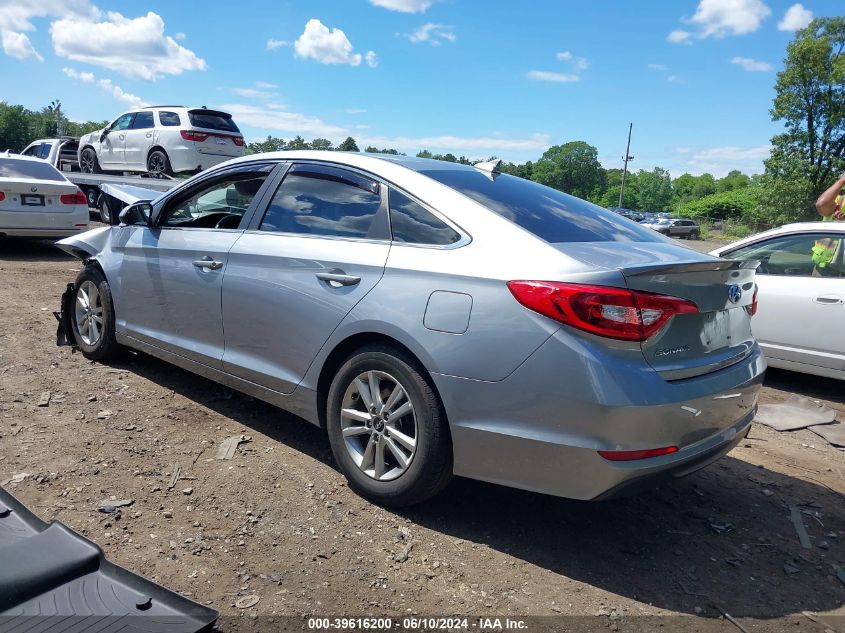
(734, 293)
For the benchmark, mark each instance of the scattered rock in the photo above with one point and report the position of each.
(187, 491)
(105, 413)
(44, 400)
(402, 556)
(246, 602)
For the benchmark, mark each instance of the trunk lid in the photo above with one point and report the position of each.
(221, 130)
(690, 345)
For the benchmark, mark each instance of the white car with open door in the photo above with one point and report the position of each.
(162, 140)
(36, 200)
(800, 320)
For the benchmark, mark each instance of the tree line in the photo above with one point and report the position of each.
(19, 126)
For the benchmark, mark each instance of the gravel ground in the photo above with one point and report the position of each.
(278, 522)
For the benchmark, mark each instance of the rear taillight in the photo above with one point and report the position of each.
(627, 456)
(2, 196)
(74, 198)
(752, 309)
(238, 140)
(190, 135)
(616, 313)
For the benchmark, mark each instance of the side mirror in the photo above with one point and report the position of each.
(104, 134)
(137, 214)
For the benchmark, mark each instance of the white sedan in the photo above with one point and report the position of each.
(36, 200)
(800, 320)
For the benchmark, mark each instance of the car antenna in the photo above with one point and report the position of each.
(490, 167)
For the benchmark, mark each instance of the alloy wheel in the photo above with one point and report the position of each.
(379, 425)
(86, 162)
(156, 164)
(89, 313)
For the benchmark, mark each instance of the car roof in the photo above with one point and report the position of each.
(795, 227)
(356, 159)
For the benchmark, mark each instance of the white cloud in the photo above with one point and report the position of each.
(658, 67)
(796, 17)
(251, 93)
(721, 160)
(120, 94)
(460, 144)
(719, 18)
(84, 77)
(274, 44)
(180, 36)
(17, 45)
(326, 46)
(136, 47)
(679, 36)
(17, 15)
(545, 75)
(578, 63)
(371, 59)
(355, 110)
(434, 34)
(404, 6)
(752, 65)
(278, 120)
(107, 86)
(264, 85)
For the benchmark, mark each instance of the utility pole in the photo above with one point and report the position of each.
(626, 158)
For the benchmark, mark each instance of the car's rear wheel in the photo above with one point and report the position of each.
(93, 316)
(88, 162)
(158, 164)
(387, 428)
(694, 234)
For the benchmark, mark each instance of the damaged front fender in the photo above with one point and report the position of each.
(87, 244)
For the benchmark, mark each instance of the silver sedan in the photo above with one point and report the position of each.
(437, 319)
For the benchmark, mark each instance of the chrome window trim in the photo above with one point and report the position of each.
(466, 238)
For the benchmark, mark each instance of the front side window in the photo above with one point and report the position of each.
(169, 119)
(220, 204)
(142, 121)
(122, 122)
(801, 255)
(320, 200)
(547, 213)
(412, 223)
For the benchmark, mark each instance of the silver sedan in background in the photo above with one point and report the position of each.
(437, 319)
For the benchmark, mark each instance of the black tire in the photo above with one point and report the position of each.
(158, 164)
(88, 163)
(430, 468)
(105, 346)
(694, 235)
(105, 210)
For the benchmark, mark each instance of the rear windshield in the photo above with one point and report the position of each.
(213, 121)
(33, 169)
(548, 213)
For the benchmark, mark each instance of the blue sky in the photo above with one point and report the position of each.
(477, 78)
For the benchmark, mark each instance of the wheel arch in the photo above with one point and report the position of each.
(343, 349)
(156, 148)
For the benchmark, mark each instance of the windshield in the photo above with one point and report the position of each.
(548, 213)
(28, 169)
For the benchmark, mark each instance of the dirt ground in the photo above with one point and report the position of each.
(277, 521)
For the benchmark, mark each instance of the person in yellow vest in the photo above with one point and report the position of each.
(830, 207)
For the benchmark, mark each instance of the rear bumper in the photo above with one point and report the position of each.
(43, 233)
(541, 428)
(190, 159)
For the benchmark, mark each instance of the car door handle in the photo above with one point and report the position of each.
(207, 263)
(148, 134)
(829, 300)
(120, 136)
(337, 278)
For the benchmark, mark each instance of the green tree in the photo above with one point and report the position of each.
(810, 101)
(298, 142)
(271, 144)
(610, 196)
(655, 190)
(15, 132)
(321, 144)
(733, 181)
(349, 145)
(573, 168)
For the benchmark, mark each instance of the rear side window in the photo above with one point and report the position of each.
(169, 119)
(318, 200)
(33, 169)
(212, 121)
(412, 223)
(142, 121)
(549, 214)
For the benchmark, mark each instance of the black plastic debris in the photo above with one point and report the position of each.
(52, 579)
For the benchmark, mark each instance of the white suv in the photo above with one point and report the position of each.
(162, 140)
